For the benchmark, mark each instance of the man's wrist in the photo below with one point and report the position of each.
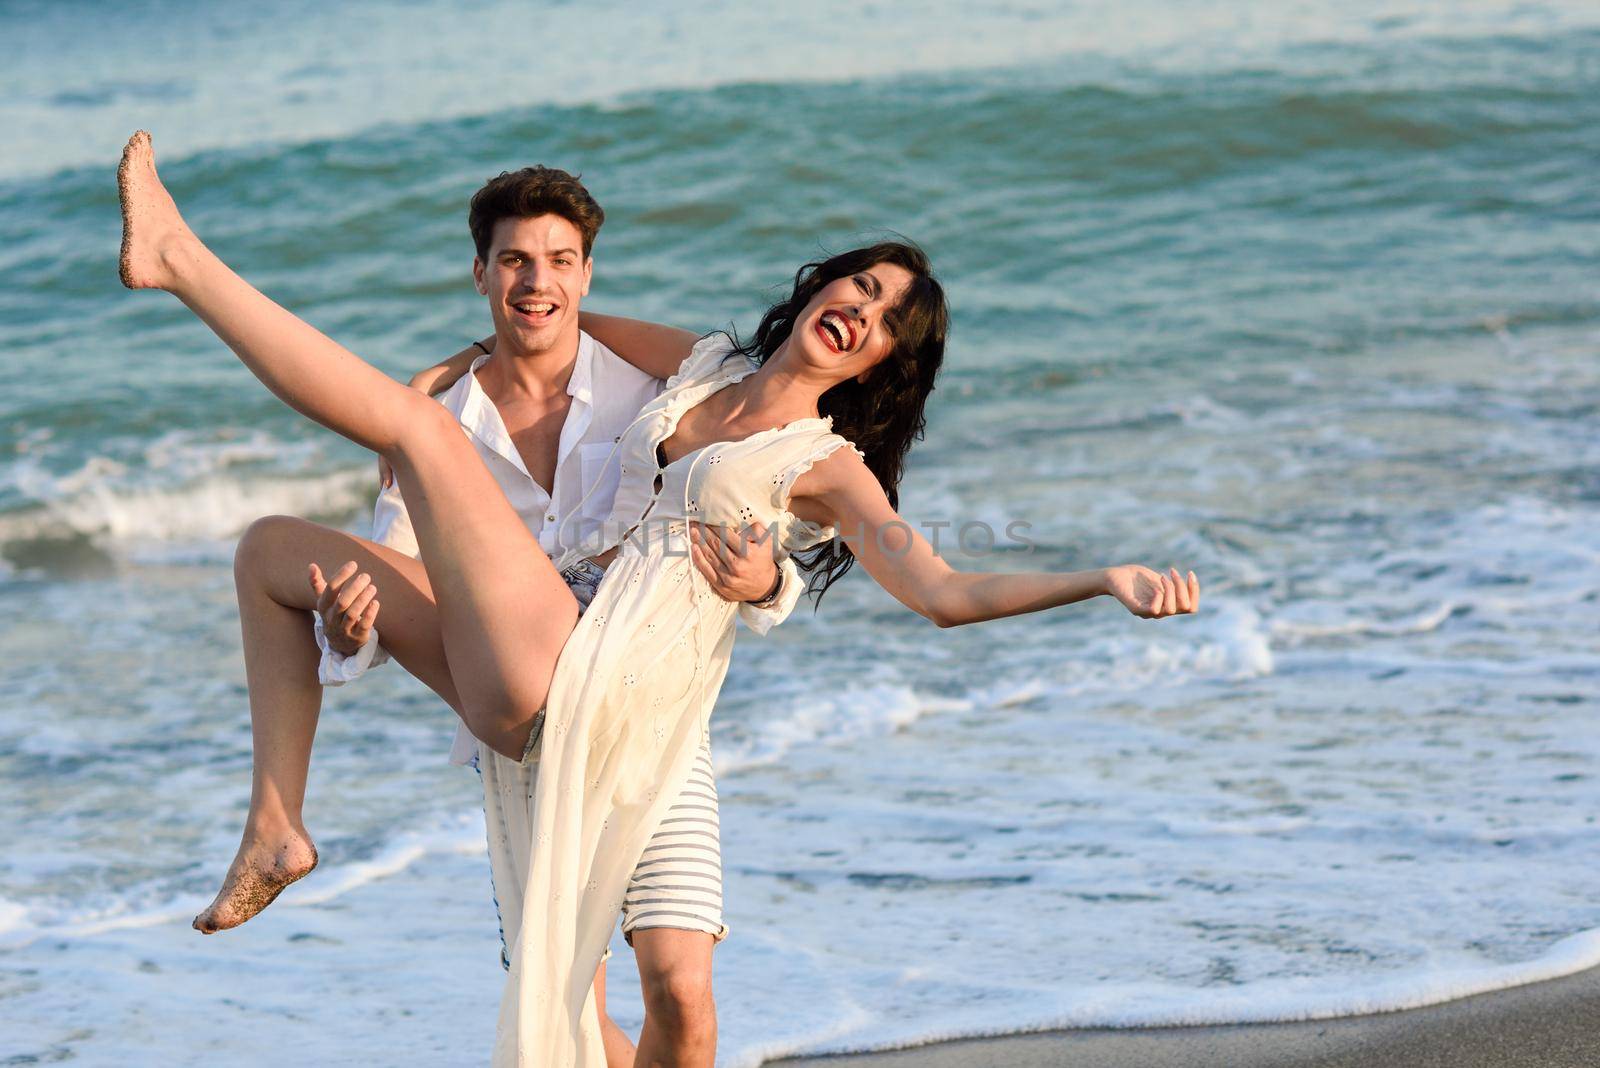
(772, 594)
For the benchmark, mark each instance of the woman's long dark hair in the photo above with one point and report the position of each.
(883, 415)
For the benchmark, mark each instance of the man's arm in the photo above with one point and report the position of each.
(656, 349)
(740, 566)
(444, 374)
(653, 348)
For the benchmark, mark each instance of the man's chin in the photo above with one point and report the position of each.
(535, 339)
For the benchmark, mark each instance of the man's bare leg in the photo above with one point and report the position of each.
(275, 598)
(504, 612)
(680, 1014)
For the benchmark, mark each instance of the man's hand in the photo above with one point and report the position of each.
(738, 564)
(348, 606)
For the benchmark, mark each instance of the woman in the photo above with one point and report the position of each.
(738, 436)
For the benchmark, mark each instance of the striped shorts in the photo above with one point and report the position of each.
(678, 880)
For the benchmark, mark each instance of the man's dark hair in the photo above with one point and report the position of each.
(529, 192)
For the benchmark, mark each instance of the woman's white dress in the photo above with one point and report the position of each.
(629, 703)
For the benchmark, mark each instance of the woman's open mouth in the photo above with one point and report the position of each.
(837, 332)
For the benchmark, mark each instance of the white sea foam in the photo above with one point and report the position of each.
(13, 916)
(855, 715)
(1127, 1005)
(1230, 642)
(215, 507)
(180, 491)
(1423, 620)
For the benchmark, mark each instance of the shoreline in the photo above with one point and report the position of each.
(1554, 1023)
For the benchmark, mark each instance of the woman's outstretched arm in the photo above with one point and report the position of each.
(841, 492)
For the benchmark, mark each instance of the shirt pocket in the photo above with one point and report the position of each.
(601, 465)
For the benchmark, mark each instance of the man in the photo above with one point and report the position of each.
(544, 410)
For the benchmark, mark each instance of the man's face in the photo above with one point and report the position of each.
(534, 279)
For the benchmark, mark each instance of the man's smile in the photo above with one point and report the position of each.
(534, 312)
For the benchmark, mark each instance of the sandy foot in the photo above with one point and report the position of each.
(150, 219)
(257, 876)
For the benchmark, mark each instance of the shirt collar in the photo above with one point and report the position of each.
(581, 411)
(579, 383)
(479, 415)
(482, 419)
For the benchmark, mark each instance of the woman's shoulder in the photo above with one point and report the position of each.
(824, 461)
(710, 355)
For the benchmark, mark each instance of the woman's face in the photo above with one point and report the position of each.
(842, 330)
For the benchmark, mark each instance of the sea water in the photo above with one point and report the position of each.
(1301, 296)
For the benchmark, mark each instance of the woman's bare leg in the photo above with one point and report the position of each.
(281, 656)
(280, 663)
(504, 612)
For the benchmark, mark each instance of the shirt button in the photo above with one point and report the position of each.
(550, 519)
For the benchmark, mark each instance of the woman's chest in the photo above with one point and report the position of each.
(723, 483)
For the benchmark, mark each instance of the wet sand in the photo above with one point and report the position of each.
(1553, 1024)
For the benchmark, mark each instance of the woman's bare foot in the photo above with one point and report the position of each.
(152, 229)
(259, 873)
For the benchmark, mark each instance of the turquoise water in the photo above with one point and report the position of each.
(1301, 298)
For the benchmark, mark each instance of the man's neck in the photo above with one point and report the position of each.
(515, 374)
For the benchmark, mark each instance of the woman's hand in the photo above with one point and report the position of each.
(1150, 594)
(348, 605)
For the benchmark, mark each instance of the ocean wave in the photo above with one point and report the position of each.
(176, 492)
(260, 78)
(1420, 622)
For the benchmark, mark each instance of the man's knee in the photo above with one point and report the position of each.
(678, 992)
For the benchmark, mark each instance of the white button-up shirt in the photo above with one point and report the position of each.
(607, 393)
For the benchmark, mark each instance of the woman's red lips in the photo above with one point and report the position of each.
(839, 331)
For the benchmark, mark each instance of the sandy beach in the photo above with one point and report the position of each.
(1554, 1024)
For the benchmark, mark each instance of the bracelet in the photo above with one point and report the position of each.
(777, 588)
